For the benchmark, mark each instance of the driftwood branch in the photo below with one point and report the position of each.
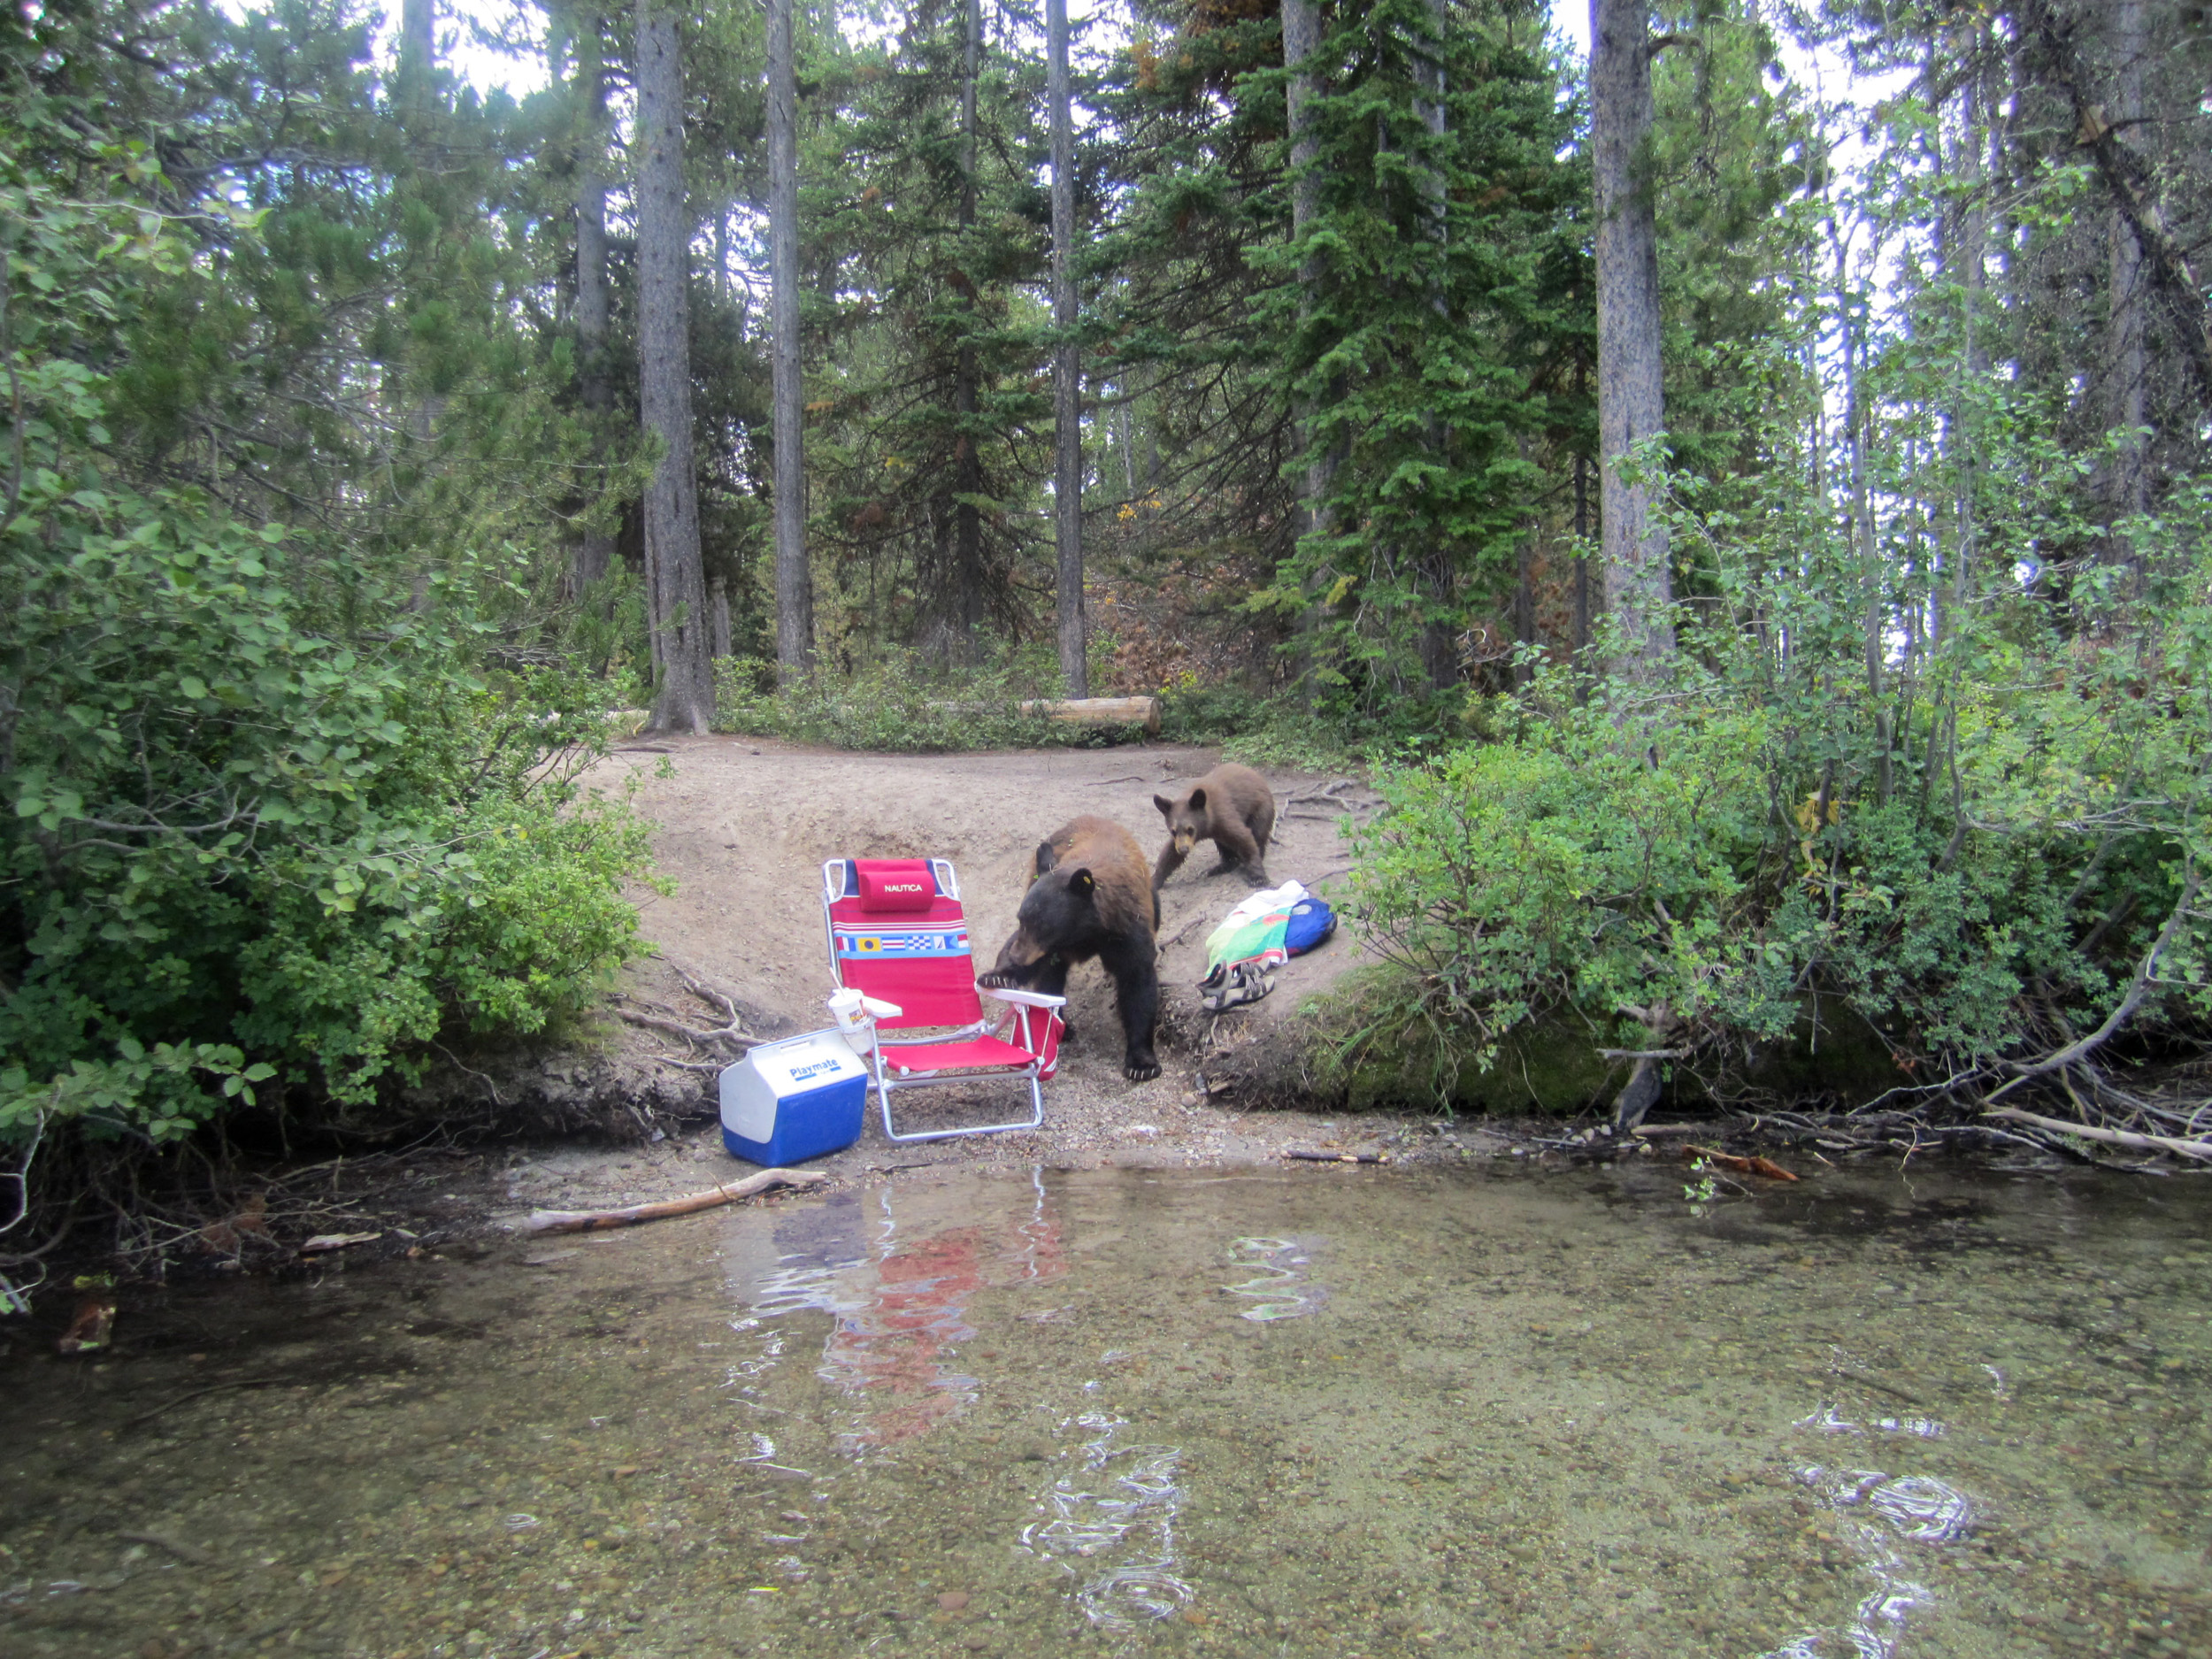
(1328, 795)
(600, 1220)
(2200, 1150)
(676, 1028)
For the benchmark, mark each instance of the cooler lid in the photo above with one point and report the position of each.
(798, 1064)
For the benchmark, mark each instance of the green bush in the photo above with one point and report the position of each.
(1665, 883)
(264, 814)
(243, 843)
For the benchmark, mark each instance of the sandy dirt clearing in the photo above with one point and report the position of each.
(744, 827)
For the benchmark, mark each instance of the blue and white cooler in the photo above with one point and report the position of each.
(793, 1100)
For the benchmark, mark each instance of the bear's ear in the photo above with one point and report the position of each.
(1046, 858)
(1080, 883)
(1166, 806)
(1198, 799)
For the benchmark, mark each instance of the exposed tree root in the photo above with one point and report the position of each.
(729, 1039)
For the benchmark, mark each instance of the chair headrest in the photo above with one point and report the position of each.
(895, 884)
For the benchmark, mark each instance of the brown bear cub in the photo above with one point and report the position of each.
(1230, 806)
(1090, 899)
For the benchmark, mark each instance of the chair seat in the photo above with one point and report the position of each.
(974, 1054)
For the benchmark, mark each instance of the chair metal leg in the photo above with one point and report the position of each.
(1035, 1120)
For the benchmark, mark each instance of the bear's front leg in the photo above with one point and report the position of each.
(1137, 996)
(1170, 862)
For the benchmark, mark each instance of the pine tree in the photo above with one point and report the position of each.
(933, 402)
(675, 583)
(1419, 282)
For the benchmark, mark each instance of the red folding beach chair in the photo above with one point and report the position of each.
(897, 933)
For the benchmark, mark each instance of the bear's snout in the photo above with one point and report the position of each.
(1015, 954)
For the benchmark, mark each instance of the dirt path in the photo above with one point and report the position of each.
(745, 826)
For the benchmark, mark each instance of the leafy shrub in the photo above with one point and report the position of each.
(1674, 885)
(265, 816)
(242, 844)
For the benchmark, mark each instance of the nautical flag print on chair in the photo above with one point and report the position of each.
(897, 933)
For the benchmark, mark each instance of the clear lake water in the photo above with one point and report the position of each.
(1331, 1412)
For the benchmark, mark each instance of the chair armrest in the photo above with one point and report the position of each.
(1027, 999)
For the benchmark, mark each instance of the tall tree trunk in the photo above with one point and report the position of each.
(795, 579)
(1428, 104)
(1067, 415)
(2124, 357)
(1582, 542)
(967, 520)
(1934, 499)
(1639, 593)
(593, 552)
(1302, 44)
(2133, 188)
(676, 585)
(1302, 40)
(1523, 609)
(1440, 647)
(1874, 612)
(1128, 454)
(417, 99)
(1969, 251)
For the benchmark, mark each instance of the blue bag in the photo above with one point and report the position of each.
(1311, 922)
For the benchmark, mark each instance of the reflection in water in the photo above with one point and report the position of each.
(1917, 1508)
(1281, 1291)
(899, 1305)
(1129, 1525)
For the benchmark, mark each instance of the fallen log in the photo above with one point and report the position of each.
(1143, 711)
(599, 1220)
(2110, 1137)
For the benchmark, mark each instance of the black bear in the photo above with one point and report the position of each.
(1090, 898)
(1230, 806)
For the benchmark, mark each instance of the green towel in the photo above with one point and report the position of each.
(1252, 932)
